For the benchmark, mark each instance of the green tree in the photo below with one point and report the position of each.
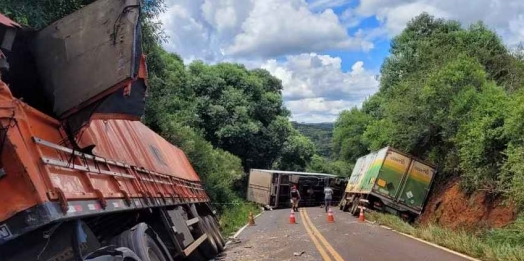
(297, 153)
(347, 135)
(240, 111)
(322, 165)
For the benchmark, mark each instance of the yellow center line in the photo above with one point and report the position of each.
(321, 250)
(322, 239)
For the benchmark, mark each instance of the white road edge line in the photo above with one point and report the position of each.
(429, 243)
(240, 231)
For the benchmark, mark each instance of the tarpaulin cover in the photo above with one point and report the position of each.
(135, 144)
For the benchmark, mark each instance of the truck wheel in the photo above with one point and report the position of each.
(144, 245)
(214, 233)
(208, 248)
(214, 225)
(354, 207)
(344, 206)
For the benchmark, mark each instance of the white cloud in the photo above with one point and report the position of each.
(259, 33)
(505, 16)
(317, 109)
(316, 87)
(215, 30)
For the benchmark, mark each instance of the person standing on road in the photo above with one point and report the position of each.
(295, 197)
(328, 196)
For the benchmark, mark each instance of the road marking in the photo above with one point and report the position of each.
(240, 231)
(322, 239)
(437, 246)
(321, 250)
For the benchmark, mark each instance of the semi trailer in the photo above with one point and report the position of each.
(81, 178)
(272, 187)
(391, 181)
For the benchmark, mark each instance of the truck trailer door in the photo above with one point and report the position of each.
(259, 188)
(391, 174)
(416, 187)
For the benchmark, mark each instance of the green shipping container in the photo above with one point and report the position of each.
(398, 179)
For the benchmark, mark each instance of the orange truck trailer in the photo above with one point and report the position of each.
(81, 178)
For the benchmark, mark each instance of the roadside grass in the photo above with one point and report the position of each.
(504, 244)
(235, 216)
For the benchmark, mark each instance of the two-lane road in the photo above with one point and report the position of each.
(273, 238)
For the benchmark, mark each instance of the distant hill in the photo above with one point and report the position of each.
(319, 133)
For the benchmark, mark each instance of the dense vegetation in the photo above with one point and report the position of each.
(451, 95)
(320, 134)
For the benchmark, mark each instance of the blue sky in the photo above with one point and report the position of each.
(326, 52)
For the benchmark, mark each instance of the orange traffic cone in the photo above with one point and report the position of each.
(251, 219)
(292, 217)
(361, 217)
(330, 217)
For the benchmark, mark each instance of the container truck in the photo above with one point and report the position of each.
(271, 188)
(81, 178)
(391, 181)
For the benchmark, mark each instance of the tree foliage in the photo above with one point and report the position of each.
(240, 111)
(451, 95)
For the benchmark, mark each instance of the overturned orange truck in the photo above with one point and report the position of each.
(81, 178)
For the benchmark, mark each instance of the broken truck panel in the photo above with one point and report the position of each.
(89, 54)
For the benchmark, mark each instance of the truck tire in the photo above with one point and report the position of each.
(145, 246)
(344, 206)
(214, 234)
(218, 236)
(208, 248)
(354, 207)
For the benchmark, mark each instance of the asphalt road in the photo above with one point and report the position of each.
(273, 238)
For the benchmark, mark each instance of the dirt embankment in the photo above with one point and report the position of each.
(450, 207)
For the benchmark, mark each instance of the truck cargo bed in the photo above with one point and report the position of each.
(42, 180)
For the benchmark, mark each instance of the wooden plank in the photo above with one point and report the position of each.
(195, 244)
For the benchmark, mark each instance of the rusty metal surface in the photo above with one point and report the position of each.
(8, 22)
(135, 144)
(37, 173)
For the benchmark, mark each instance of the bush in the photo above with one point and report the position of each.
(503, 244)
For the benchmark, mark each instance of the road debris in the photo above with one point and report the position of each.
(235, 240)
(298, 253)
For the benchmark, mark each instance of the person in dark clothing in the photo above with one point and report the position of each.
(295, 197)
